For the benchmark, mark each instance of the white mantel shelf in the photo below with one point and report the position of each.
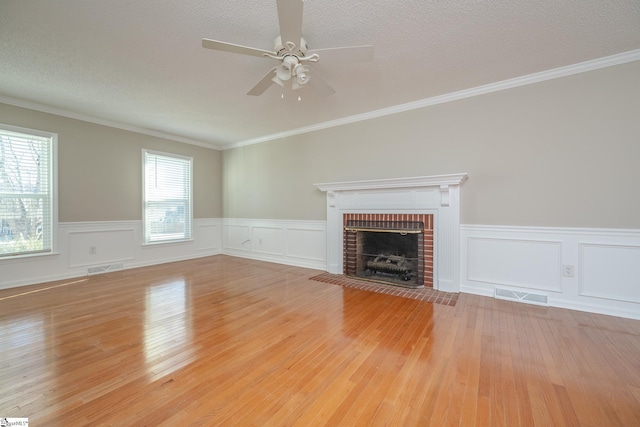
(418, 181)
(437, 194)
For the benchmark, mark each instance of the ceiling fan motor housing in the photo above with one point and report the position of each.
(299, 51)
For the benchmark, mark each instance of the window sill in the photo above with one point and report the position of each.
(166, 242)
(27, 257)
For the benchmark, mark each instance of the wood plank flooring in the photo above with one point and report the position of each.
(228, 341)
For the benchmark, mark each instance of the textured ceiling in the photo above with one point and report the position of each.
(141, 64)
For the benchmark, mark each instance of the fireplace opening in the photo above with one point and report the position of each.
(385, 251)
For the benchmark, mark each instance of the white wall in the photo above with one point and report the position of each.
(299, 243)
(605, 263)
(117, 243)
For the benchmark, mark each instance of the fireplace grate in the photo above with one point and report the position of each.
(391, 264)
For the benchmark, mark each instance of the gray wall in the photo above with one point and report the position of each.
(100, 168)
(558, 153)
(564, 153)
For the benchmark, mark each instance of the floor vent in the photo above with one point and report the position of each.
(520, 296)
(104, 268)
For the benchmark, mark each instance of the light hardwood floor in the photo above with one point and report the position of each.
(228, 341)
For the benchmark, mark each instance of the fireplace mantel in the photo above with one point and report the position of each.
(419, 181)
(437, 194)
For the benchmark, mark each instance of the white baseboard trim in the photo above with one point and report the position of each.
(629, 313)
(484, 291)
(170, 259)
(33, 280)
(276, 260)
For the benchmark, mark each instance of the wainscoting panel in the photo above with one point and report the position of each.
(237, 237)
(299, 243)
(100, 247)
(103, 245)
(268, 240)
(306, 244)
(209, 235)
(594, 270)
(520, 263)
(617, 266)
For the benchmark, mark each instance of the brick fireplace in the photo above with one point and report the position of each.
(434, 199)
(416, 230)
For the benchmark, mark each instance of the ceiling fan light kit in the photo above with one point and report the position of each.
(294, 58)
(302, 74)
(286, 69)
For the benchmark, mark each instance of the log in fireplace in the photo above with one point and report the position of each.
(393, 249)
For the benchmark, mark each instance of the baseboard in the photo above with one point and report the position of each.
(285, 261)
(171, 259)
(40, 279)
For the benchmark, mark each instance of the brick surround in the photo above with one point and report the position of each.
(425, 245)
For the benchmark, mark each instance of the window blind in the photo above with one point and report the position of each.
(26, 193)
(167, 197)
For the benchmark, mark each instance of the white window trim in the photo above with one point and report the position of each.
(54, 192)
(144, 222)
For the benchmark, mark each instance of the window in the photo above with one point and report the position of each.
(167, 197)
(28, 211)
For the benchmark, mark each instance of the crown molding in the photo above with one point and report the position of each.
(96, 120)
(582, 67)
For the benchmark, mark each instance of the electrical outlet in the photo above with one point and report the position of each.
(93, 250)
(568, 270)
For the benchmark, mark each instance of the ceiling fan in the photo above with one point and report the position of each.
(291, 50)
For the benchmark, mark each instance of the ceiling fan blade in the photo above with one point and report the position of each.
(263, 84)
(290, 19)
(318, 84)
(234, 48)
(345, 54)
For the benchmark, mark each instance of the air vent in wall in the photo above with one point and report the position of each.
(520, 296)
(104, 268)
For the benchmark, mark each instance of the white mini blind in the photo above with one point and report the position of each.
(167, 197)
(26, 193)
